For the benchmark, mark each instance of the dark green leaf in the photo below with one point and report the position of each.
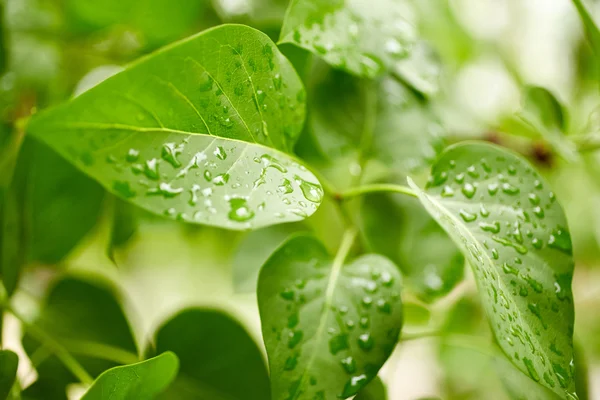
(141, 381)
(511, 229)
(406, 135)
(400, 229)
(9, 362)
(360, 37)
(218, 360)
(328, 326)
(84, 318)
(375, 390)
(196, 132)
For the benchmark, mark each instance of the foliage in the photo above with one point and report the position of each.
(264, 199)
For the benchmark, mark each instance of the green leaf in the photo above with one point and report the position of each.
(9, 362)
(591, 27)
(254, 250)
(400, 229)
(213, 349)
(360, 37)
(155, 21)
(375, 390)
(542, 116)
(406, 135)
(141, 381)
(87, 320)
(421, 69)
(513, 232)
(196, 132)
(328, 325)
(519, 386)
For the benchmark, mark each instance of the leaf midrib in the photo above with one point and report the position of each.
(336, 268)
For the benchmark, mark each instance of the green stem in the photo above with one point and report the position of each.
(470, 342)
(419, 335)
(101, 351)
(63, 355)
(376, 188)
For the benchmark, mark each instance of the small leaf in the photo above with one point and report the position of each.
(195, 132)
(421, 69)
(9, 362)
(213, 349)
(375, 390)
(360, 37)
(400, 229)
(85, 318)
(591, 27)
(328, 326)
(513, 232)
(141, 381)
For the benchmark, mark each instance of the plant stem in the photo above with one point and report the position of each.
(376, 188)
(419, 335)
(63, 355)
(101, 351)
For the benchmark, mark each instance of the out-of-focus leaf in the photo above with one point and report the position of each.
(405, 137)
(254, 250)
(142, 381)
(63, 205)
(421, 69)
(400, 229)
(157, 21)
(375, 390)
(84, 317)
(508, 224)
(9, 362)
(360, 37)
(12, 240)
(2, 40)
(542, 116)
(328, 324)
(196, 132)
(591, 27)
(263, 13)
(212, 348)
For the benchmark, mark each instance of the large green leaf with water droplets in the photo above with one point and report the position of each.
(361, 37)
(328, 325)
(196, 131)
(219, 360)
(9, 362)
(140, 381)
(513, 232)
(375, 390)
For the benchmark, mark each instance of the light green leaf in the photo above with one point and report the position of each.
(360, 37)
(195, 131)
(141, 381)
(513, 232)
(405, 137)
(591, 27)
(155, 21)
(375, 390)
(9, 362)
(219, 360)
(328, 325)
(400, 229)
(421, 69)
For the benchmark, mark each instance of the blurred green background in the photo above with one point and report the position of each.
(113, 274)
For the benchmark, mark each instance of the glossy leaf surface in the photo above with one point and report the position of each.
(141, 381)
(328, 325)
(360, 37)
(9, 362)
(196, 132)
(514, 233)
